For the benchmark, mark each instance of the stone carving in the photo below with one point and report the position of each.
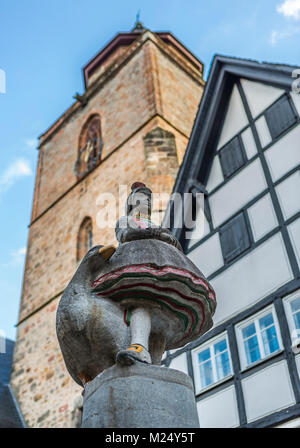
(140, 396)
(128, 305)
(77, 412)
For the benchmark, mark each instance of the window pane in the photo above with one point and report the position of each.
(252, 350)
(295, 305)
(280, 116)
(296, 318)
(232, 157)
(234, 237)
(220, 346)
(90, 239)
(223, 366)
(204, 355)
(206, 374)
(248, 331)
(270, 340)
(266, 321)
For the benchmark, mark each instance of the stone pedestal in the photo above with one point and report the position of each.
(140, 396)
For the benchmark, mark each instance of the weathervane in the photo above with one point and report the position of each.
(138, 16)
(138, 26)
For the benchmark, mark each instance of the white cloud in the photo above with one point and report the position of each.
(274, 38)
(19, 168)
(15, 258)
(284, 34)
(18, 255)
(22, 251)
(290, 8)
(31, 143)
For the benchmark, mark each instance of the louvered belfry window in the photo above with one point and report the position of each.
(234, 237)
(232, 157)
(280, 117)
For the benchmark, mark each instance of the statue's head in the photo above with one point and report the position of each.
(139, 200)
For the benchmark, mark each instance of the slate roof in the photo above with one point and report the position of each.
(10, 415)
(6, 361)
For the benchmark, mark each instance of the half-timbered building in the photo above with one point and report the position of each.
(244, 155)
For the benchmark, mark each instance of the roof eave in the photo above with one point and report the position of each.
(127, 39)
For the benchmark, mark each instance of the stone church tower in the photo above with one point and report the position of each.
(132, 123)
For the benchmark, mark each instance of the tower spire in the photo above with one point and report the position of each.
(138, 26)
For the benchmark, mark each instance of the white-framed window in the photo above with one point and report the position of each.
(258, 337)
(292, 309)
(211, 362)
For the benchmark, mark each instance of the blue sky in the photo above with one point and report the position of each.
(44, 44)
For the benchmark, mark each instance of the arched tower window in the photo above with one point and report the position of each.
(90, 146)
(85, 238)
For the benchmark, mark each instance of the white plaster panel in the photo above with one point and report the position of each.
(201, 229)
(219, 410)
(259, 96)
(215, 175)
(249, 143)
(284, 154)
(179, 363)
(262, 217)
(294, 232)
(235, 119)
(263, 131)
(251, 278)
(237, 192)
(296, 99)
(288, 193)
(297, 359)
(267, 391)
(208, 256)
